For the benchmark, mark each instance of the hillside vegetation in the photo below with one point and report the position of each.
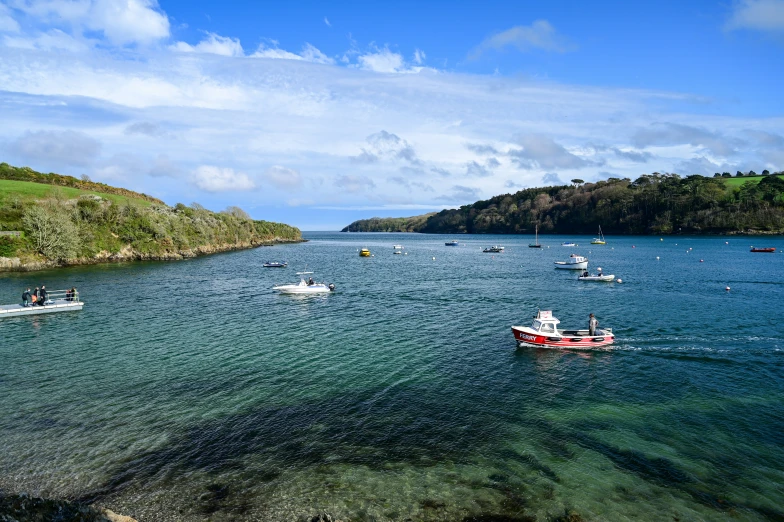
(410, 224)
(63, 224)
(652, 204)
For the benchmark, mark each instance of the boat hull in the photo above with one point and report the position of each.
(763, 250)
(59, 305)
(577, 340)
(602, 279)
(298, 289)
(562, 265)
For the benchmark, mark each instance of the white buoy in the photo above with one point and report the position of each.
(657, 258)
(619, 280)
(434, 258)
(727, 289)
(661, 239)
(702, 260)
(726, 242)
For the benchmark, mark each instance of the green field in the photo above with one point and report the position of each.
(737, 182)
(27, 190)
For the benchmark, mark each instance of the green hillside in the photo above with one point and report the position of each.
(376, 224)
(68, 221)
(652, 204)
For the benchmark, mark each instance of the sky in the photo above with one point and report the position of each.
(317, 115)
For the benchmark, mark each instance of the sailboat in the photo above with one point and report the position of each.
(535, 244)
(599, 240)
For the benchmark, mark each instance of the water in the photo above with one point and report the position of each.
(190, 391)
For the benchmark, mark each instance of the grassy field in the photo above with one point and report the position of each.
(26, 190)
(737, 182)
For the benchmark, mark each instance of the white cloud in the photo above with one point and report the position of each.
(283, 178)
(551, 178)
(309, 53)
(215, 179)
(354, 183)
(386, 61)
(54, 39)
(541, 151)
(7, 22)
(419, 57)
(761, 15)
(538, 35)
(213, 44)
(326, 21)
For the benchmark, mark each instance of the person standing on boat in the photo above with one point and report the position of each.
(26, 298)
(42, 300)
(592, 324)
(36, 293)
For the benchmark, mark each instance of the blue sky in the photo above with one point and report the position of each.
(317, 115)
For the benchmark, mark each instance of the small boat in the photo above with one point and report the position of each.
(452, 243)
(769, 250)
(274, 264)
(535, 244)
(568, 243)
(398, 249)
(493, 249)
(596, 277)
(574, 262)
(364, 253)
(544, 333)
(57, 301)
(305, 287)
(599, 240)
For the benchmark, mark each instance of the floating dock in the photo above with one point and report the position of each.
(59, 303)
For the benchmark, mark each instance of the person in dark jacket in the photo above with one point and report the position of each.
(43, 296)
(26, 297)
(36, 295)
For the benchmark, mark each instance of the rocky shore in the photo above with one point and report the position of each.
(127, 254)
(22, 508)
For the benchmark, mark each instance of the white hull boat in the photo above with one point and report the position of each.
(574, 262)
(305, 287)
(600, 277)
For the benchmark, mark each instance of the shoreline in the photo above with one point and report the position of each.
(128, 254)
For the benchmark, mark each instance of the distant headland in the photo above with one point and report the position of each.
(49, 220)
(652, 204)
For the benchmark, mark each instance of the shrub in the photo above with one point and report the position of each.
(51, 232)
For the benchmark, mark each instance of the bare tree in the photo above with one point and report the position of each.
(237, 212)
(53, 233)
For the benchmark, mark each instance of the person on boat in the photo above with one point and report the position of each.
(36, 295)
(26, 298)
(310, 281)
(74, 294)
(592, 324)
(42, 300)
(586, 274)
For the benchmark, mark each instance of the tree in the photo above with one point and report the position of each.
(726, 175)
(53, 233)
(765, 172)
(738, 174)
(237, 212)
(86, 178)
(577, 181)
(717, 175)
(751, 173)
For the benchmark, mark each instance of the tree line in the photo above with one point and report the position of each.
(652, 204)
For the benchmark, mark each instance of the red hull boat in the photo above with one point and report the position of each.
(770, 250)
(544, 333)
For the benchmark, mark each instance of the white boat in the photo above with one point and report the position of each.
(398, 249)
(57, 301)
(596, 277)
(574, 262)
(494, 249)
(568, 243)
(305, 287)
(599, 240)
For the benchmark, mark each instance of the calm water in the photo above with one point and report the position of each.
(189, 390)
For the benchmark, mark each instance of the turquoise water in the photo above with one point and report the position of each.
(191, 391)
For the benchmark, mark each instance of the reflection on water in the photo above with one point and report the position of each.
(201, 394)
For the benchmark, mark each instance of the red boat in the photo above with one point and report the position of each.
(544, 333)
(770, 250)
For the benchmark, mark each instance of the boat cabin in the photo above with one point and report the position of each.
(545, 323)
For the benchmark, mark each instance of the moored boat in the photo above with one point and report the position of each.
(493, 249)
(599, 240)
(305, 287)
(452, 243)
(275, 264)
(364, 253)
(585, 276)
(568, 244)
(768, 250)
(544, 333)
(574, 262)
(535, 244)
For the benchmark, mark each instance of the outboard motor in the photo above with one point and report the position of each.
(331, 287)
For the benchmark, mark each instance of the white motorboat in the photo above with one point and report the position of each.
(574, 262)
(305, 287)
(398, 249)
(596, 277)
